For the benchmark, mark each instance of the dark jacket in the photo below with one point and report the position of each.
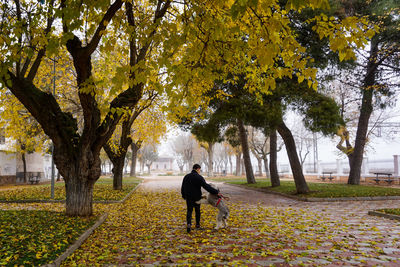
(192, 184)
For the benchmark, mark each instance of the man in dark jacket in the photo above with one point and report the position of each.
(191, 192)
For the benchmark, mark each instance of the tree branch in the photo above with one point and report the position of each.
(92, 45)
(42, 51)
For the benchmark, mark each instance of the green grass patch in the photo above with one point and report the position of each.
(320, 190)
(390, 211)
(102, 191)
(34, 238)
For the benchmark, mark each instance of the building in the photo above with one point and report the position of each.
(162, 164)
(12, 168)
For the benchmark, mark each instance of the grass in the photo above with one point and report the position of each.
(34, 237)
(319, 190)
(102, 191)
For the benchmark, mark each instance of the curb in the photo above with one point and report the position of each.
(384, 215)
(316, 199)
(57, 262)
(63, 201)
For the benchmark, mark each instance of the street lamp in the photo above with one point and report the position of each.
(52, 144)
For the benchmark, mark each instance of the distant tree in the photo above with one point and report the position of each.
(184, 145)
(259, 145)
(148, 154)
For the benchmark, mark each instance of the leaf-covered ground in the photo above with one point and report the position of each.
(102, 191)
(149, 229)
(35, 237)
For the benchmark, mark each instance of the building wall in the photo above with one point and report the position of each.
(7, 164)
(164, 165)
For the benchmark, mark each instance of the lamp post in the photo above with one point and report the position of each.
(52, 144)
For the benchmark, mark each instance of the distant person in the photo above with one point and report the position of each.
(191, 192)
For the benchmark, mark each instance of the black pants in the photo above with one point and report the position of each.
(190, 204)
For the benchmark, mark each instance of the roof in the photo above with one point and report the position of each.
(164, 159)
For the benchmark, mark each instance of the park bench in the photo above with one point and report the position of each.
(385, 176)
(34, 179)
(325, 175)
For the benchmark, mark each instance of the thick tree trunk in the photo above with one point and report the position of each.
(246, 154)
(79, 194)
(80, 170)
(118, 166)
(135, 149)
(210, 159)
(300, 181)
(273, 159)
(24, 166)
(365, 113)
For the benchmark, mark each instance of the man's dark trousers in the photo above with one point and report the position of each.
(190, 204)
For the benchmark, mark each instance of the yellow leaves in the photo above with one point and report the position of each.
(345, 33)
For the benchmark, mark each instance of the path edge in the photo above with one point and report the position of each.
(315, 199)
(384, 215)
(57, 262)
(63, 201)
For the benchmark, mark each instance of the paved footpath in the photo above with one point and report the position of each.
(265, 229)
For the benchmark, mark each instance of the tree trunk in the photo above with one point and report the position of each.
(259, 162)
(230, 163)
(135, 149)
(24, 164)
(210, 159)
(117, 170)
(79, 194)
(148, 168)
(246, 154)
(273, 168)
(300, 181)
(365, 113)
(265, 159)
(238, 156)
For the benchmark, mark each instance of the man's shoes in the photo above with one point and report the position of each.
(188, 228)
(199, 228)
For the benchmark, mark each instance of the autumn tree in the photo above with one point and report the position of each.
(149, 128)
(212, 33)
(117, 147)
(28, 37)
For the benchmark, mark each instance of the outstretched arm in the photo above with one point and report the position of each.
(208, 187)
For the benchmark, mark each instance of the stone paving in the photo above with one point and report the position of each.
(264, 230)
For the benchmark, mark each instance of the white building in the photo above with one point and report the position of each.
(12, 168)
(162, 164)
